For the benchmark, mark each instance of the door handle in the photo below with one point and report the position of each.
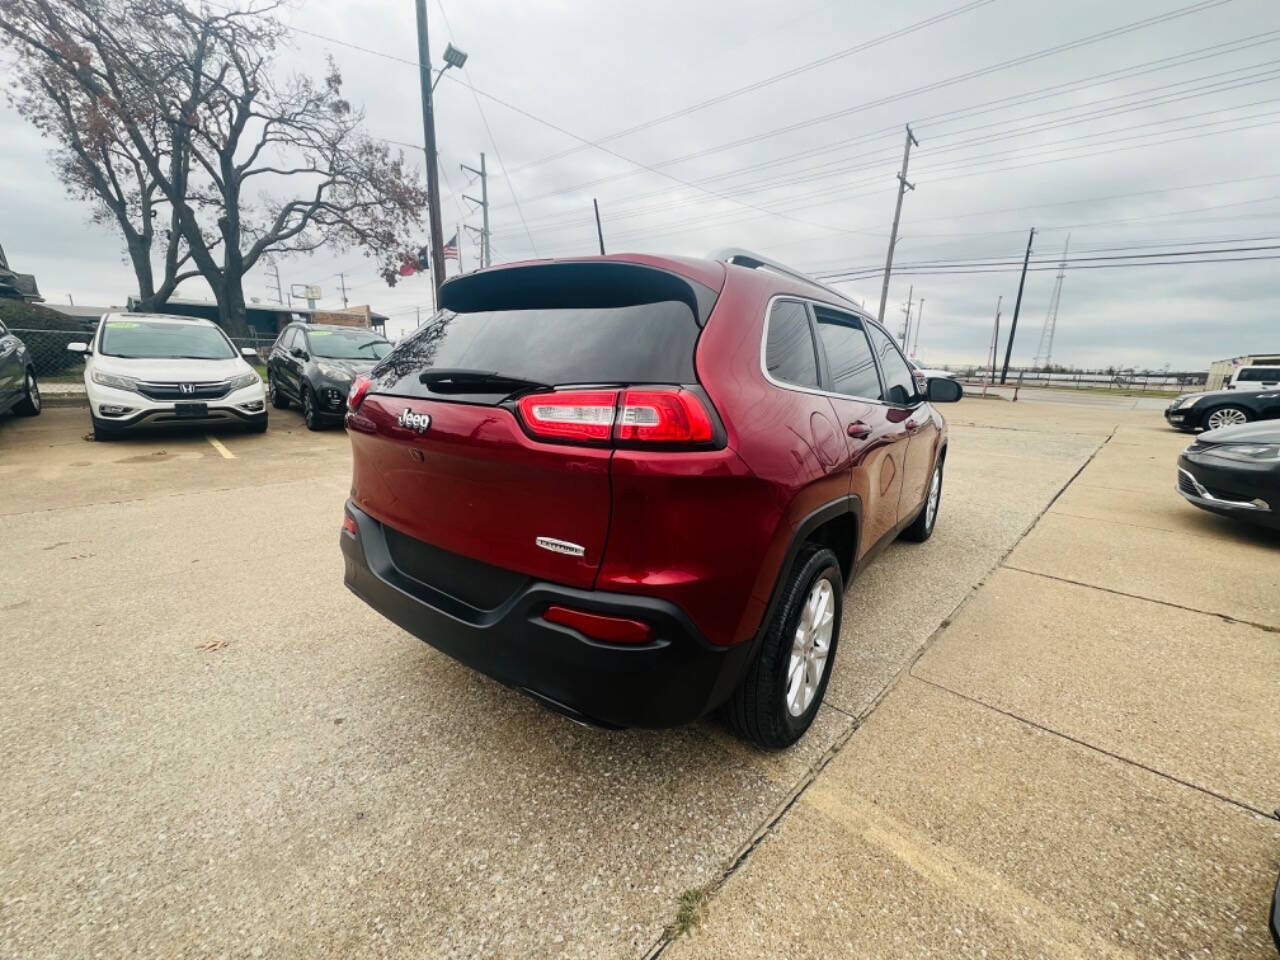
(859, 430)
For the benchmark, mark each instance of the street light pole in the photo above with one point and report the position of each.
(429, 136)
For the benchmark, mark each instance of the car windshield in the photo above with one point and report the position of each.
(348, 345)
(157, 339)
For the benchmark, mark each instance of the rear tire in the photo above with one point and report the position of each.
(30, 404)
(921, 528)
(769, 708)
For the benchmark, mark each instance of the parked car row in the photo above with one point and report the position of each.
(144, 371)
(1233, 467)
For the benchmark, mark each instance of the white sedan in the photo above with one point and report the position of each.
(148, 370)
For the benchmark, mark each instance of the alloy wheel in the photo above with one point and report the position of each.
(33, 390)
(308, 408)
(1227, 417)
(810, 647)
(935, 495)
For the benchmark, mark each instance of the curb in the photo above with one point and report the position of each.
(63, 400)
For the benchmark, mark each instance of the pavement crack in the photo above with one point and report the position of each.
(1226, 618)
(1097, 749)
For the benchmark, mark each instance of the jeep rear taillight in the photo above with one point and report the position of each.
(663, 416)
(658, 415)
(359, 387)
(570, 415)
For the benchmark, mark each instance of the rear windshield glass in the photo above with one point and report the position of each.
(644, 343)
(153, 339)
(1258, 374)
(348, 344)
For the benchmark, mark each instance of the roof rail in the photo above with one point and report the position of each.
(745, 258)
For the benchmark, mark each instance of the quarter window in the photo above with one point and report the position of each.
(849, 359)
(789, 354)
(899, 381)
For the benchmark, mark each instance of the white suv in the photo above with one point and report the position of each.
(147, 370)
(1254, 378)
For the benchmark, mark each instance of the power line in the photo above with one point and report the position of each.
(775, 78)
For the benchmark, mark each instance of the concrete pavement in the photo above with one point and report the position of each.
(1083, 763)
(212, 749)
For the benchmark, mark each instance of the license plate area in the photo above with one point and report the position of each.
(190, 409)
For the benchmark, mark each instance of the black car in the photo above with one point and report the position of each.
(1235, 472)
(19, 391)
(1222, 408)
(312, 365)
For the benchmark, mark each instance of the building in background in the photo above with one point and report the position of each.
(17, 286)
(1220, 370)
(267, 320)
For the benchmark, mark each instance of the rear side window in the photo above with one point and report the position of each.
(642, 343)
(899, 381)
(1258, 374)
(789, 352)
(849, 360)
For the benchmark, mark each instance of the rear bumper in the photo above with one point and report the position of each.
(673, 680)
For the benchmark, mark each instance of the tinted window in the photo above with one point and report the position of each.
(899, 381)
(853, 371)
(351, 344)
(1258, 374)
(157, 339)
(644, 343)
(285, 336)
(789, 353)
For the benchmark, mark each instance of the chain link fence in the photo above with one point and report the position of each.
(49, 353)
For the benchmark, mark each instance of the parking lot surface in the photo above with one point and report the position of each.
(213, 749)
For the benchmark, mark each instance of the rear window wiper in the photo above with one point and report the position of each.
(460, 380)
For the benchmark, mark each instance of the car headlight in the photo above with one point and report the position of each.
(111, 380)
(1247, 452)
(243, 380)
(1188, 401)
(333, 371)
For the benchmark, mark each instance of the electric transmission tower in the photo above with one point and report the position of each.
(1044, 352)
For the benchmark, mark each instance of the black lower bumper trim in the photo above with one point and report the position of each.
(673, 680)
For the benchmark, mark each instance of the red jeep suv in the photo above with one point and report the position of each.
(636, 487)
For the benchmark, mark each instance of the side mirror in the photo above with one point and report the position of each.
(78, 347)
(299, 353)
(944, 390)
(248, 352)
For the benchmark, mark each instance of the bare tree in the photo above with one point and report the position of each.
(96, 162)
(249, 164)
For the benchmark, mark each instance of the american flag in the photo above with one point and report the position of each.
(451, 248)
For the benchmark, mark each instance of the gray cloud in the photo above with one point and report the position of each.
(595, 68)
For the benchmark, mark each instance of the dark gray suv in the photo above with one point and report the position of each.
(313, 365)
(19, 390)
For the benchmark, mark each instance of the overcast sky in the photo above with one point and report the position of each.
(1159, 138)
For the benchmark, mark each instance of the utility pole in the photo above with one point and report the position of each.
(457, 236)
(903, 187)
(342, 282)
(429, 136)
(994, 348)
(906, 322)
(485, 259)
(915, 350)
(599, 232)
(1017, 305)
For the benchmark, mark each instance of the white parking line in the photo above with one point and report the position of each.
(217, 445)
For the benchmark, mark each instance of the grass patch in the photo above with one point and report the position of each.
(690, 914)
